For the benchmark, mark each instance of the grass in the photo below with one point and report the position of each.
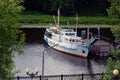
(40, 18)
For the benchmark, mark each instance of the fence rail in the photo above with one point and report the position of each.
(96, 76)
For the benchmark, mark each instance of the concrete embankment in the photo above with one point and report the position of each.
(70, 26)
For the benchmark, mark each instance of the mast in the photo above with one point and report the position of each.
(58, 18)
(76, 23)
(98, 31)
(54, 20)
(68, 24)
(88, 33)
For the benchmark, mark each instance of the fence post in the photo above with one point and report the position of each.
(18, 78)
(40, 77)
(82, 76)
(61, 76)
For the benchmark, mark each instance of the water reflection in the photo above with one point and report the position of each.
(56, 63)
(89, 66)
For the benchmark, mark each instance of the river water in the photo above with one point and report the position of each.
(56, 63)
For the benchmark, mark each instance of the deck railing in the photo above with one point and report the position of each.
(96, 76)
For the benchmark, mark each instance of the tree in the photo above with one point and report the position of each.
(116, 31)
(68, 7)
(11, 38)
(114, 9)
(113, 61)
(91, 7)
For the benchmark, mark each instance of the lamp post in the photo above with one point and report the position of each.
(42, 76)
(31, 74)
(116, 73)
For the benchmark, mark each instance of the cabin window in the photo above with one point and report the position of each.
(66, 34)
(70, 34)
(73, 40)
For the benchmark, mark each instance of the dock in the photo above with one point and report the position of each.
(103, 46)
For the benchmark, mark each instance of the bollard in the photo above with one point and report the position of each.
(61, 77)
(82, 76)
(18, 78)
(40, 77)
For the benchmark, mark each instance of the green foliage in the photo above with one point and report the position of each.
(113, 62)
(116, 31)
(68, 7)
(114, 9)
(110, 68)
(11, 39)
(33, 17)
(115, 54)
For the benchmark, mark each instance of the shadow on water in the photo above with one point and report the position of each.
(35, 35)
(89, 66)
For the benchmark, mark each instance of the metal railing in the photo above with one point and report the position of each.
(96, 76)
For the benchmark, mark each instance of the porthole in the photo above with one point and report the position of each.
(83, 51)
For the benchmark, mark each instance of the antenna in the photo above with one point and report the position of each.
(54, 20)
(98, 31)
(68, 24)
(88, 33)
(76, 23)
(58, 18)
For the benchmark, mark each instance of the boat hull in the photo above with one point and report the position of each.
(73, 54)
(79, 50)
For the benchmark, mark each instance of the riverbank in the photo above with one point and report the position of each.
(45, 25)
(31, 18)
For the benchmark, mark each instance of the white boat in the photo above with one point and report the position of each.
(66, 40)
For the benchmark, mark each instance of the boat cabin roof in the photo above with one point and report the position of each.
(68, 30)
(73, 37)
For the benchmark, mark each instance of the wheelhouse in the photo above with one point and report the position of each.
(69, 32)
